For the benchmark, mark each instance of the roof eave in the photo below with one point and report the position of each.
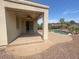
(30, 3)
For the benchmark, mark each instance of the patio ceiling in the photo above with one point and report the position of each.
(24, 14)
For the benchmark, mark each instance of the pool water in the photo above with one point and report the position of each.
(58, 31)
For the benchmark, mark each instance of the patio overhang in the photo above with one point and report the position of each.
(25, 2)
(10, 4)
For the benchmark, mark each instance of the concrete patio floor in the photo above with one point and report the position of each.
(28, 38)
(57, 47)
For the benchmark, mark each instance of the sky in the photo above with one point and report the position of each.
(67, 9)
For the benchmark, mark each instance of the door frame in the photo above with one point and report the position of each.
(30, 29)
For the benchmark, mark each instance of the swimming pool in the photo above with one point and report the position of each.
(59, 31)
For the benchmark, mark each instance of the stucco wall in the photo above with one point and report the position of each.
(12, 30)
(3, 31)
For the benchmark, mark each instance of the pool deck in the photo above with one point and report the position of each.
(57, 47)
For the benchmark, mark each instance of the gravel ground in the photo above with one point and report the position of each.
(61, 47)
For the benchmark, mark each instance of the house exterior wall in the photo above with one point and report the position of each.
(12, 31)
(3, 28)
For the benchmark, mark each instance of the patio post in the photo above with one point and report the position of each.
(35, 25)
(45, 25)
(3, 28)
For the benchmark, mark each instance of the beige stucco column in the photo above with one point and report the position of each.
(45, 25)
(35, 26)
(3, 29)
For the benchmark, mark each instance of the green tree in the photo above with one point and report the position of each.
(62, 20)
(72, 26)
(63, 23)
(72, 22)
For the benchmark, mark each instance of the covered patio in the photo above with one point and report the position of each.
(21, 23)
(20, 17)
